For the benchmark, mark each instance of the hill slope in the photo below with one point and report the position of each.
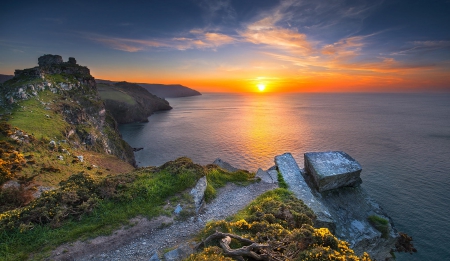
(54, 124)
(169, 91)
(163, 90)
(129, 102)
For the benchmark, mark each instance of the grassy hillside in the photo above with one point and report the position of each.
(86, 205)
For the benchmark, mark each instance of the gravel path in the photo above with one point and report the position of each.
(142, 240)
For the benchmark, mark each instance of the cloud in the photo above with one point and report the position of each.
(198, 39)
(422, 46)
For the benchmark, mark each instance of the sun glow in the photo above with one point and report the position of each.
(261, 87)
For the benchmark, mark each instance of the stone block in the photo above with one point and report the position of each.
(332, 169)
(297, 184)
(198, 193)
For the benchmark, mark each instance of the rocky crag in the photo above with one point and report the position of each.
(73, 98)
(129, 102)
(329, 185)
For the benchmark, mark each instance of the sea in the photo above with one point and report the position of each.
(402, 142)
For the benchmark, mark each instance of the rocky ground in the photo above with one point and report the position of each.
(140, 241)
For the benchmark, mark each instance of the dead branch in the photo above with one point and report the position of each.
(248, 251)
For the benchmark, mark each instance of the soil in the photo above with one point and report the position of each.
(139, 242)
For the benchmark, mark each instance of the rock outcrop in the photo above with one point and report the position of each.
(224, 165)
(347, 207)
(332, 169)
(75, 98)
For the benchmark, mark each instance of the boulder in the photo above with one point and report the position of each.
(267, 176)
(224, 165)
(198, 193)
(293, 176)
(332, 169)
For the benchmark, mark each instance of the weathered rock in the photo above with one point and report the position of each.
(179, 253)
(293, 176)
(351, 207)
(273, 174)
(332, 169)
(224, 165)
(198, 193)
(49, 59)
(265, 176)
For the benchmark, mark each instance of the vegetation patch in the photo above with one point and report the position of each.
(217, 177)
(275, 226)
(281, 182)
(380, 224)
(108, 92)
(86, 206)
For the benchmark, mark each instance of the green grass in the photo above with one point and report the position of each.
(146, 197)
(217, 178)
(380, 224)
(110, 93)
(32, 118)
(281, 182)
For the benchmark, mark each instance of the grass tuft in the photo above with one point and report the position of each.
(380, 224)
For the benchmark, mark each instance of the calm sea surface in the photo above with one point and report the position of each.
(402, 142)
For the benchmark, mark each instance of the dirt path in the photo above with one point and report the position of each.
(143, 239)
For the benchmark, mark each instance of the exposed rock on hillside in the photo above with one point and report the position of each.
(129, 102)
(346, 209)
(74, 96)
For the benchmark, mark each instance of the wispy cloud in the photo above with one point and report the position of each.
(423, 46)
(196, 39)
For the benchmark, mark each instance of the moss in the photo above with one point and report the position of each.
(380, 224)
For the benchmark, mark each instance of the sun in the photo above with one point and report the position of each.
(261, 87)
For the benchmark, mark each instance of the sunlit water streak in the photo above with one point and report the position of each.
(401, 140)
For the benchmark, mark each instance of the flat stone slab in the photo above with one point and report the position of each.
(293, 176)
(332, 169)
(268, 176)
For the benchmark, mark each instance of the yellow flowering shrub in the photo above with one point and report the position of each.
(284, 223)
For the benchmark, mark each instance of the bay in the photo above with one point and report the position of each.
(402, 142)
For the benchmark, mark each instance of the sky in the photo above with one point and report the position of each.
(238, 45)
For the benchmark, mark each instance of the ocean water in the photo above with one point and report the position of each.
(402, 142)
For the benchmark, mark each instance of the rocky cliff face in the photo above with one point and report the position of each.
(129, 102)
(75, 99)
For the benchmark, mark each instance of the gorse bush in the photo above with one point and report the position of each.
(281, 224)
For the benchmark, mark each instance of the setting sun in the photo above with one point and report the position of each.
(261, 87)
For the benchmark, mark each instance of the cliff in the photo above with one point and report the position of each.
(55, 123)
(163, 90)
(129, 102)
